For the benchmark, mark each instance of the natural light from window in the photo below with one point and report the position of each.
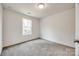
(27, 26)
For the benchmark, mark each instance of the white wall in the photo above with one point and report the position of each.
(77, 22)
(0, 28)
(77, 29)
(59, 28)
(13, 28)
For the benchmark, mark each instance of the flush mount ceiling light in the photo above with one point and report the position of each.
(41, 5)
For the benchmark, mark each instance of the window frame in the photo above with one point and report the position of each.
(23, 29)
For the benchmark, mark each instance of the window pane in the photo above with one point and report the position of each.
(27, 27)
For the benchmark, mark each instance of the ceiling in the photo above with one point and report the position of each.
(30, 9)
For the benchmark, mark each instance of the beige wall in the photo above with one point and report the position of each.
(0, 28)
(13, 28)
(59, 28)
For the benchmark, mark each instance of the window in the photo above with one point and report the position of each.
(27, 26)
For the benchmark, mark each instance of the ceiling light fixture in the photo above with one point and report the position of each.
(41, 5)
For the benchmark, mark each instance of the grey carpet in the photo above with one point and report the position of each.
(38, 47)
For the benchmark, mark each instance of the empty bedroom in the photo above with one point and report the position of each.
(37, 29)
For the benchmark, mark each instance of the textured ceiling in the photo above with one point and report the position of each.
(30, 9)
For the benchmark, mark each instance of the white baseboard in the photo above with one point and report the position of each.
(59, 43)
